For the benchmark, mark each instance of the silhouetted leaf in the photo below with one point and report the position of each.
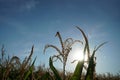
(86, 42)
(92, 64)
(56, 74)
(78, 71)
(30, 70)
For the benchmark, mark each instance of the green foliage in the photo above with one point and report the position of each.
(56, 74)
(30, 71)
(13, 69)
(78, 71)
(92, 64)
(86, 48)
(66, 47)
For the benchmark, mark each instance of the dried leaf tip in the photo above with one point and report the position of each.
(57, 33)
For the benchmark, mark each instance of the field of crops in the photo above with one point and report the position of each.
(11, 68)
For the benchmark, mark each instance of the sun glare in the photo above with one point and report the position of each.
(78, 55)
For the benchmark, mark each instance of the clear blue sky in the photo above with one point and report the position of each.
(27, 22)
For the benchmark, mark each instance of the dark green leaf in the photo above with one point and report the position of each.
(78, 71)
(56, 74)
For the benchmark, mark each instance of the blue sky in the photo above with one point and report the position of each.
(27, 22)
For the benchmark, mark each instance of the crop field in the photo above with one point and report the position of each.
(12, 68)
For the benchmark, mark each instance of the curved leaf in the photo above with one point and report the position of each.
(57, 49)
(86, 42)
(30, 70)
(91, 67)
(92, 64)
(75, 42)
(78, 71)
(100, 46)
(56, 74)
(60, 38)
(57, 57)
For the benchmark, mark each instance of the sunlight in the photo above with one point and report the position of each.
(78, 55)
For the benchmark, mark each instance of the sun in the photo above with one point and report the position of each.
(78, 55)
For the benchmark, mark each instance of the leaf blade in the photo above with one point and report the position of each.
(56, 74)
(78, 71)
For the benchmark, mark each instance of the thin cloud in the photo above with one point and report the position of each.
(17, 5)
(28, 5)
(96, 32)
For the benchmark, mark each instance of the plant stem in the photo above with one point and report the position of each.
(64, 63)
